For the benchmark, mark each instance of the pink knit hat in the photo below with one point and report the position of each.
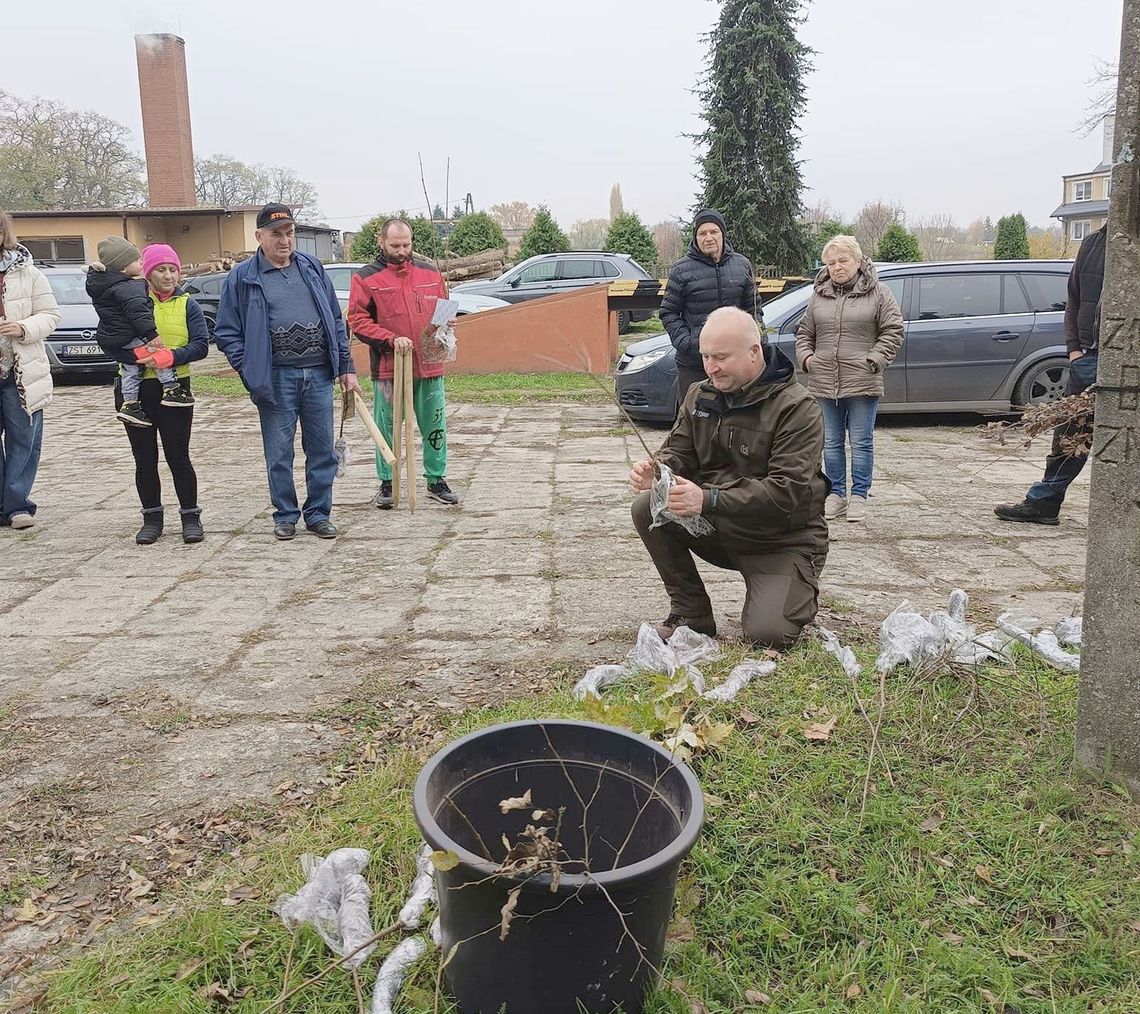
(156, 254)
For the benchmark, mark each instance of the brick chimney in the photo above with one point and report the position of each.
(165, 101)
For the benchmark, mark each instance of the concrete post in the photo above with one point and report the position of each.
(1108, 713)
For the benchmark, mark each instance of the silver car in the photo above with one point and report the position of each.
(71, 348)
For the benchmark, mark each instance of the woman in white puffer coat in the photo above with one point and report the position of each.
(28, 314)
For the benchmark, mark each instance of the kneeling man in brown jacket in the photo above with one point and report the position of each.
(746, 451)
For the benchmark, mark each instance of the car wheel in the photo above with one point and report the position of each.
(211, 323)
(623, 321)
(1043, 382)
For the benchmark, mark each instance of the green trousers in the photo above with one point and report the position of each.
(431, 419)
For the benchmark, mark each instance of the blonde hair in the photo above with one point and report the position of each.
(7, 231)
(842, 244)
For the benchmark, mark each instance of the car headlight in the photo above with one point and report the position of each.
(645, 359)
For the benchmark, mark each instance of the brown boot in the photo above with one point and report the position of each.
(701, 624)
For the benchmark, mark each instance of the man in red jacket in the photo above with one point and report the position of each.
(390, 306)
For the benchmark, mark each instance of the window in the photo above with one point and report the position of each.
(68, 287)
(611, 269)
(1080, 229)
(61, 250)
(541, 272)
(1047, 292)
(946, 297)
(577, 269)
(896, 285)
(341, 278)
(1107, 187)
(1013, 298)
(1082, 190)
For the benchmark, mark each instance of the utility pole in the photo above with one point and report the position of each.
(1108, 710)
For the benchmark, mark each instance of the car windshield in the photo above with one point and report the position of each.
(68, 287)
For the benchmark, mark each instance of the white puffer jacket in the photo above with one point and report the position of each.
(28, 301)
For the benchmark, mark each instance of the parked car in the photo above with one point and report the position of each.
(551, 274)
(207, 290)
(71, 348)
(981, 336)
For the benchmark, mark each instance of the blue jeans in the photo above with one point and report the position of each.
(19, 452)
(1061, 468)
(854, 416)
(304, 394)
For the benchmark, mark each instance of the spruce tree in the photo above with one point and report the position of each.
(1012, 243)
(627, 234)
(752, 97)
(543, 237)
(898, 245)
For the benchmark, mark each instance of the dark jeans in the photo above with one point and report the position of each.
(1061, 468)
(172, 426)
(782, 587)
(686, 377)
(302, 394)
(19, 452)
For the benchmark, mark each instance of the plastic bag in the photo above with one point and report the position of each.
(684, 648)
(597, 678)
(844, 654)
(905, 636)
(739, 678)
(659, 496)
(1044, 643)
(690, 647)
(391, 975)
(1070, 630)
(651, 653)
(908, 636)
(335, 901)
(423, 891)
(340, 448)
(440, 346)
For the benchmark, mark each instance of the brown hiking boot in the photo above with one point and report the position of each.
(701, 624)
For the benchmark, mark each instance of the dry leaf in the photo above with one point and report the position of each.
(696, 1007)
(984, 873)
(27, 912)
(508, 911)
(547, 815)
(932, 822)
(853, 991)
(1013, 952)
(516, 803)
(953, 939)
(444, 861)
(681, 931)
(757, 997)
(944, 861)
(188, 968)
(748, 718)
(820, 732)
(1104, 850)
(987, 995)
(1135, 926)
(711, 800)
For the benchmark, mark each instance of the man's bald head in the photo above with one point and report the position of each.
(732, 348)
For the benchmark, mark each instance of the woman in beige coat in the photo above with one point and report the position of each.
(28, 314)
(848, 336)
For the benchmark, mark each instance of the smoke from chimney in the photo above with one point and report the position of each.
(165, 98)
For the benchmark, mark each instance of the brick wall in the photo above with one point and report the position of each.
(166, 120)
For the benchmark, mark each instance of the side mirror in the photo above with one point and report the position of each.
(515, 282)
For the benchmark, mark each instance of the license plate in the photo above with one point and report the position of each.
(82, 350)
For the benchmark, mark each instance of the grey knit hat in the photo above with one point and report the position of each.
(116, 253)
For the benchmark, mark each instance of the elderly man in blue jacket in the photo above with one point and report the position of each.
(280, 326)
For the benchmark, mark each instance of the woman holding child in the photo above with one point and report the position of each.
(163, 407)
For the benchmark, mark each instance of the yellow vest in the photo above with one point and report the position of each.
(170, 321)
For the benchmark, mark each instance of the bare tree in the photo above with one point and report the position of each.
(669, 239)
(1103, 99)
(617, 206)
(939, 238)
(588, 233)
(55, 157)
(228, 182)
(873, 220)
(822, 211)
(515, 215)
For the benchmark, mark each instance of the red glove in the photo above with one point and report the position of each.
(141, 353)
(163, 358)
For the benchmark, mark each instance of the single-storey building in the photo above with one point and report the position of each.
(198, 234)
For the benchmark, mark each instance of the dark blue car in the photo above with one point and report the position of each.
(981, 336)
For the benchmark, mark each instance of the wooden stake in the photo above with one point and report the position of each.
(410, 433)
(373, 429)
(397, 422)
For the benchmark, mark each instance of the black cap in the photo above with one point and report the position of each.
(273, 215)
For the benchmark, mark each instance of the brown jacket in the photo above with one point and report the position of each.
(854, 335)
(757, 454)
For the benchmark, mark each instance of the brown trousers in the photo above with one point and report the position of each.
(782, 587)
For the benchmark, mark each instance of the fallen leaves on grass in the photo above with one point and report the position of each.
(757, 996)
(819, 732)
(932, 822)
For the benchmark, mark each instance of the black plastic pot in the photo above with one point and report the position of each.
(566, 951)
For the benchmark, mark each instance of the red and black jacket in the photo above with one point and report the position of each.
(388, 301)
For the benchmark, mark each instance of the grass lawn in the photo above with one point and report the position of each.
(479, 389)
(987, 877)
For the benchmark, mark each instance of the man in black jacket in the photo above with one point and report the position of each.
(711, 275)
(1042, 503)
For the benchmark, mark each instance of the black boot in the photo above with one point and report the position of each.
(1035, 512)
(151, 527)
(192, 530)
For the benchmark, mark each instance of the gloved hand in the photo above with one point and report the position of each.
(163, 358)
(141, 353)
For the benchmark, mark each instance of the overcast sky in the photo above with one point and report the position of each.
(967, 107)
